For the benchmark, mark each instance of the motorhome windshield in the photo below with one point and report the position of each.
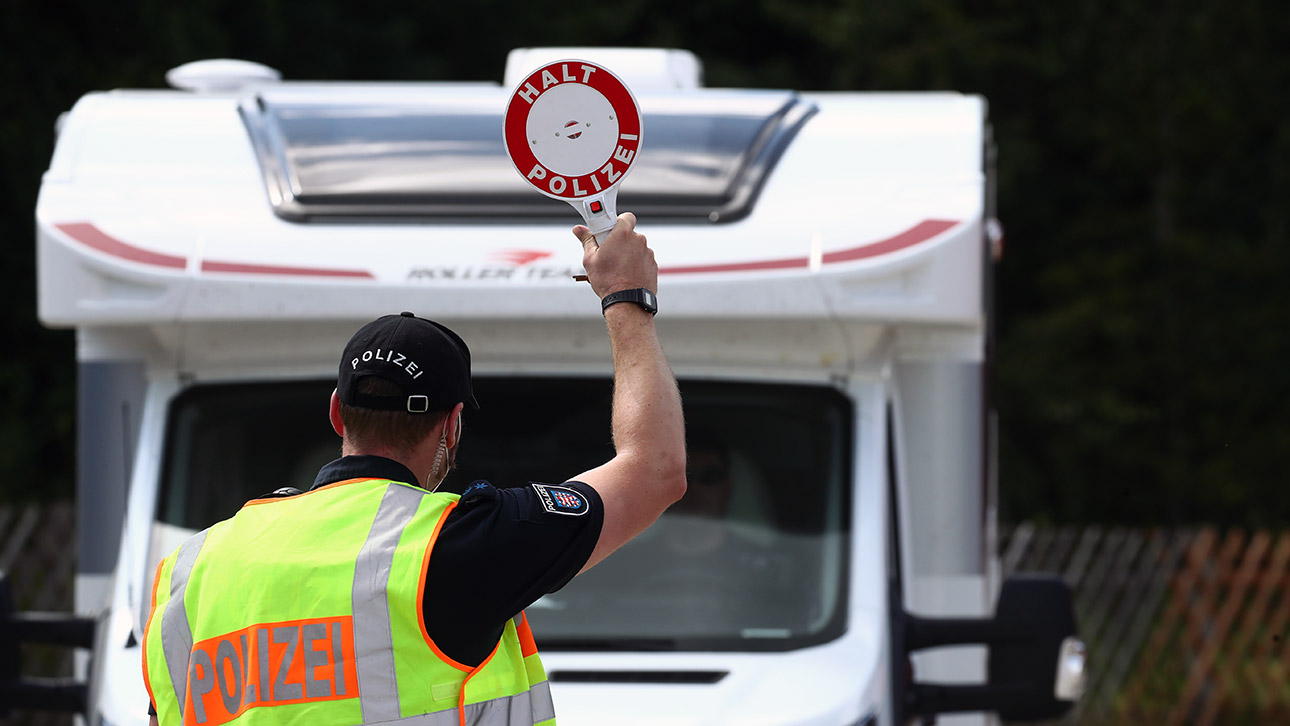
(753, 558)
(438, 153)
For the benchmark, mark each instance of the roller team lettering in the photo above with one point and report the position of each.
(270, 664)
(625, 112)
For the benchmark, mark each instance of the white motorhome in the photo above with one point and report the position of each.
(824, 294)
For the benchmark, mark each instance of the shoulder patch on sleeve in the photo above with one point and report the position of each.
(558, 499)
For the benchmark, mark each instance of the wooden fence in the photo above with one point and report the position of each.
(38, 553)
(1184, 626)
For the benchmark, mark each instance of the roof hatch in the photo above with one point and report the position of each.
(435, 151)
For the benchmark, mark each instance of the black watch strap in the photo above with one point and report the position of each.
(640, 296)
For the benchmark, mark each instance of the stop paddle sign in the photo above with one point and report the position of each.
(573, 131)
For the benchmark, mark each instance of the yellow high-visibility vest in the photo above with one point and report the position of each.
(307, 609)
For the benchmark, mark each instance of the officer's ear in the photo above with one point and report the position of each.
(336, 423)
(452, 426)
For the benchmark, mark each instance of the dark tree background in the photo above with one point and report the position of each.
(1144, 167)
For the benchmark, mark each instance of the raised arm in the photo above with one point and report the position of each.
(647, 473)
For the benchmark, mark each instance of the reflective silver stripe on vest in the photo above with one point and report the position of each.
(176, 635)
(543, 706)
(373, 638)
(523, 709)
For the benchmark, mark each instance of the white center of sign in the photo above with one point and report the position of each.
(572, 129)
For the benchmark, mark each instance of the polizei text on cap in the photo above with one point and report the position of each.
(389, 356)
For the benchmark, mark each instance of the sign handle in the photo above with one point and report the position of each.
(600, 212)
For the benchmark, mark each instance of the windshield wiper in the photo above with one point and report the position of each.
(638, 676)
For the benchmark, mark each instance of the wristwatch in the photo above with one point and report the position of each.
(640, 296)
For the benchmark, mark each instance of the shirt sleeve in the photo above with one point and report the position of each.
(498, 552)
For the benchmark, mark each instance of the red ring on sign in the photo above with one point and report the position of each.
(608, 174)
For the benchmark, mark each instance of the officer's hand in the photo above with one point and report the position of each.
(623, 262)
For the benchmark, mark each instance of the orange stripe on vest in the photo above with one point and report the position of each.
(527, 645)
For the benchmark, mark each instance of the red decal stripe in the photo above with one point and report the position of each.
(739, 266)
(920, 232)
(213, 266)
(91, 236)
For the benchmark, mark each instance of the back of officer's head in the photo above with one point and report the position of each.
(399, 376)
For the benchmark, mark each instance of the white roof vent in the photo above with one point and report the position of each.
(220, 75)
(642, 69)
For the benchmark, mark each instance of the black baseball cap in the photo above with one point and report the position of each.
(428, 362)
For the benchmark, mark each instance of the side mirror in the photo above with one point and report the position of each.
(1038, 610)
(47, 694)
(1036, 663)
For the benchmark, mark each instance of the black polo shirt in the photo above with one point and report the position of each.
(498, 551)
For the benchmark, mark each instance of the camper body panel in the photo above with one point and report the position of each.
(161, 214)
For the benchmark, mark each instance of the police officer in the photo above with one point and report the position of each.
(372, 597)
